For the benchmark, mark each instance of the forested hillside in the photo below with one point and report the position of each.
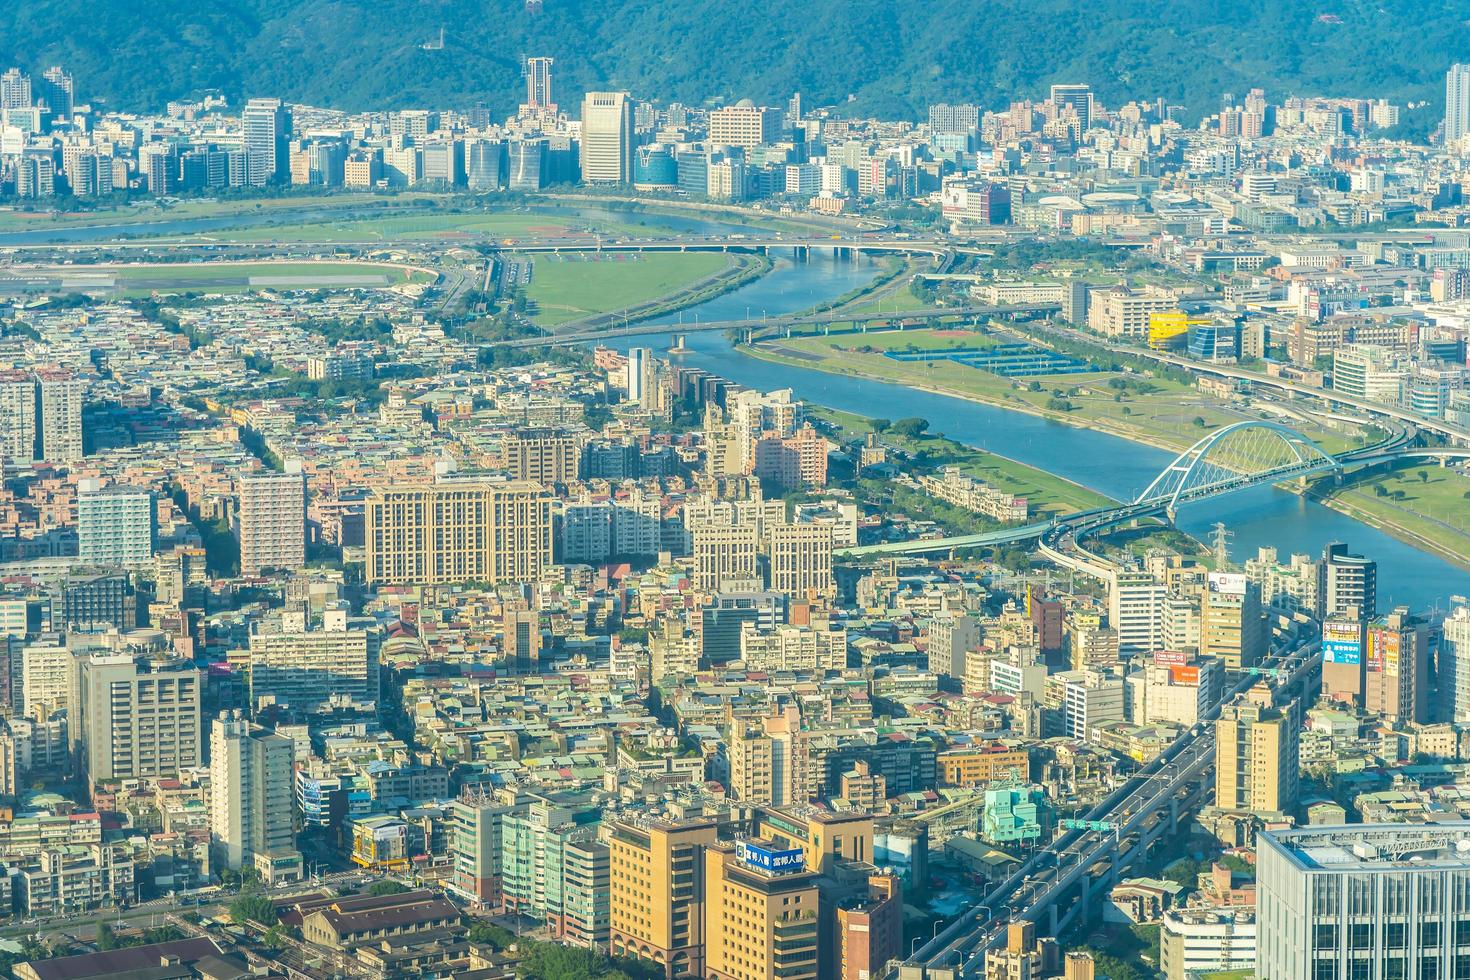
(891, 56)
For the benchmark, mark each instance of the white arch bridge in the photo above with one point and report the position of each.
(1233, 457)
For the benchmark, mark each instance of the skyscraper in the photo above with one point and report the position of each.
(250, 790)
(272, 527)
(57, 90)
(1347, 580)
(1256, 764)
(18, 408)
(266, 126)
(538, 84)
(1077, 98)
(607, 138)
(1454, 667)
(1456, 102)
(15, 90)
(115, 525)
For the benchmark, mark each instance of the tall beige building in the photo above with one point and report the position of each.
(251, 786)
(60, 404)
(724, 556)
(311, 669)
(607, 138)
(1231, 624)
(801, 559)
(272, 522)
(769, 759)
(541, 456)
(458, 532)
(18, 409)
(1256, 754)
(137, 718)
(657, 892)
(744, 124)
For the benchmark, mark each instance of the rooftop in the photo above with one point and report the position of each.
(1379, 847)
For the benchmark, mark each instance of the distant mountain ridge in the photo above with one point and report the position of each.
(892, 56)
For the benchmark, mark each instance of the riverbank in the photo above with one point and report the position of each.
(1443, 540)
(1377, 500)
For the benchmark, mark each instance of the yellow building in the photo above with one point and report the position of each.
(760, 913)
(972, 767)
(1170, 328)
(1256, 755)
(458, 532)
(823, 837)
(541, 456)
(658, 891)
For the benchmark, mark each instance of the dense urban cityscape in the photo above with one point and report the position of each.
(626, 539)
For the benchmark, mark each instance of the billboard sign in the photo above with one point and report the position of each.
(772, 859)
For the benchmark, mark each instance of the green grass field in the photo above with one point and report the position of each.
(1433, 505)
(144, 212)
(573, 286)
(1164, 415)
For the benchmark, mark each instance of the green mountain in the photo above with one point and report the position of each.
(891, 57)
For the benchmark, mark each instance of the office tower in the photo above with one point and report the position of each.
(1456, 102)
(642, 377)
(159, 164)
(800, 558)
(251, 787)
(137, 718)
(744, 124)
(607, 138)
(1347, 580)
(57, 90)
(485, 165)
(458, 532)
(476, 822)
(15, 90)
(1396, 668)
(115, 525)
(1232, 625)
(1384, 900)
(725, 557)
(525, 164)
(18, 408)
(272, 523)
(444, 162)
(1454, 667)
(1074, 98)
(522, 631)
(60, 429)
(538, 84)
(1256, 759)
(1136, 612)
(657, 893)
(95, 600)
(760, 912)
(266, 130)
(310, 670)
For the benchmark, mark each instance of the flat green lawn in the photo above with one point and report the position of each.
(577, 285)
(152, 211)
(430, 226)
(1433, 506)
(1165, 414)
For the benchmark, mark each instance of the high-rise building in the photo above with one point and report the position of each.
(538, 84)
(1232, 625)
(1396, 668)
(1456, 102)
(642, 377)
(266, 129)
(18, 408)
(15, 90)
(1136, 612)
(458, 532)
(800, 557)
(744, 124)
(115, 524)
(768, 758)
(1385, 900)
(137, 718)
(477, 819)
(760, 913)
(522, 630)
(272, 522)
(1073, 99)
(1454, 666)
(59, 433)
(57, 90)
(657, 894)
(1256, 759)
(1347, 580)
(251, 781)
(607, 138)
(725, 557)
(541, 455)
(310, 670)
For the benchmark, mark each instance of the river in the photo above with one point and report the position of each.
(1260, 517)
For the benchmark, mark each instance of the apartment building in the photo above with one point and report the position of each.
(458, 532)
(272, 521)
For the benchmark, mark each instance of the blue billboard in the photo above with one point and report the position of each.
(769, 859)
(1342, 652)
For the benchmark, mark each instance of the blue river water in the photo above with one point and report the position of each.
(1108, 464)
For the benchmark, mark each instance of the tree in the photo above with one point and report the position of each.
(911, 428)
(106, 937)
(1199, 422)
(880, 425)
(253, 907)
(387, 887)
(485, 934)
(1423, 476)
